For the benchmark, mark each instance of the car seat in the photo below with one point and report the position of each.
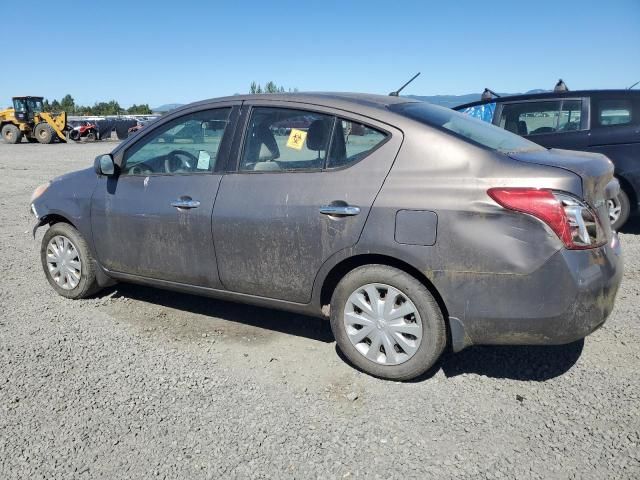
(261, 135)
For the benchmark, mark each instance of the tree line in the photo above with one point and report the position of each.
(68, 104)
(270, 87)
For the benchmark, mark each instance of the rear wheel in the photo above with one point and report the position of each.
(44, 133)
(619, 210)
(11, 133)
(387, 323)
(67, 262)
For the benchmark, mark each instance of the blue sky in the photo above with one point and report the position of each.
(141, 51)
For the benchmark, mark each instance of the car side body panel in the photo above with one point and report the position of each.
(269, 232)
(69, 197)
(479, 246)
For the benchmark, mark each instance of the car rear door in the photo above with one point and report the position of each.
(289, 205)
(154, 219)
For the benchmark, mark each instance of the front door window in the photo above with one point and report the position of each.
(186, 145)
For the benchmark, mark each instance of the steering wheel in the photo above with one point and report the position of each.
(175, 161)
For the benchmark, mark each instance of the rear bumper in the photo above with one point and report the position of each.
(565, 300)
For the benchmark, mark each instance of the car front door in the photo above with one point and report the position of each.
(552, 123)
(305, 182)
(154, 219)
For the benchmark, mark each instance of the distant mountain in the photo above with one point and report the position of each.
(167, 107)
(455, 100)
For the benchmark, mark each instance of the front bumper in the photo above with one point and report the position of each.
(565, 300)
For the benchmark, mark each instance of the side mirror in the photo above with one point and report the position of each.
(104, 165)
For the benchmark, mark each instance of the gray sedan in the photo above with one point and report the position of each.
(412, 227)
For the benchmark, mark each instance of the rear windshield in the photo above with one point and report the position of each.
(466, 127)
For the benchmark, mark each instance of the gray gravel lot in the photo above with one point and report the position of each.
(140, 383)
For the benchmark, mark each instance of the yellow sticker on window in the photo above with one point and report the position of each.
(296, 139)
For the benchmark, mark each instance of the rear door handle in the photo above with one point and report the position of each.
(183, 203)
(339, 210)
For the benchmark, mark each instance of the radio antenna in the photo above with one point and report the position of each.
(633, 85)
(397, 92)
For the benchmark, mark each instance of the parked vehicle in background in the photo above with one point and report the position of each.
(83, 130)
(410, 225)
(602, 121)
(140, 124)
(27, 119)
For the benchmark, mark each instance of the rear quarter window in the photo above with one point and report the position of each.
(613, 112)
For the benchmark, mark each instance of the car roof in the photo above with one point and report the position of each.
(542, 96)
(339, 100)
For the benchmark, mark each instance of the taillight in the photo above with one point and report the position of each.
(575, 223)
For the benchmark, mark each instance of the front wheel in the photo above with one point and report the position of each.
(619, 210)
(387, 323)
(11, 133)
(67, 262)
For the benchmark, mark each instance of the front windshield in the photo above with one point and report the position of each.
(35, 105)
(467, 127)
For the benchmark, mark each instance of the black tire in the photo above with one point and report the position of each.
(11, 133)
(625, 210)
(91, 136)
(433, 327)
(44, 133)
(87, 284)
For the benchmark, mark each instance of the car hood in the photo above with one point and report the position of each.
(81, 175)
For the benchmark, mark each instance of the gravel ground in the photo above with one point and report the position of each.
(139, 383)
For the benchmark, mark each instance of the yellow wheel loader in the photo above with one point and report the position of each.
(26, 119)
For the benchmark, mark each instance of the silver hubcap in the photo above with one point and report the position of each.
(383, 324)
(614, 209)
(63, 262)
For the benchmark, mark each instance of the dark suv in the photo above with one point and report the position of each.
(603, 121)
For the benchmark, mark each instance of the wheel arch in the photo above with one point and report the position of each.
(51, 219)
(343, 267)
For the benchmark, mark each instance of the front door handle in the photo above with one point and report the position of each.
(339, 210)
(184, 203)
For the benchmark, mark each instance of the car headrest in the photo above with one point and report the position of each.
(522, 128)
(317, 135)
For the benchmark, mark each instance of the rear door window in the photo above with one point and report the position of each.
(614, 112)
(285, 139)
(281, 139)
(530, 118)
(570, 116)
